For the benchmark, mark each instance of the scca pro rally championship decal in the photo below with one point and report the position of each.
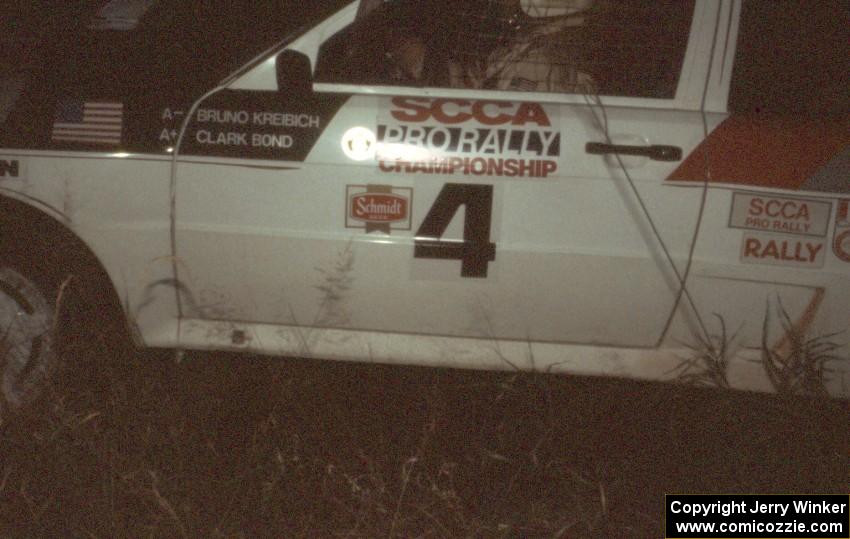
(459, 136)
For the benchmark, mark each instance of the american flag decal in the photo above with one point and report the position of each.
(89, 122)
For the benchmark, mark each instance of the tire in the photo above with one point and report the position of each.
(28, 351)
(56, 301)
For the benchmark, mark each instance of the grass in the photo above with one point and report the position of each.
(132, 444)
(801, 366)
(708, 362)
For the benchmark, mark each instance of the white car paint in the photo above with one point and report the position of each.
(579, 284)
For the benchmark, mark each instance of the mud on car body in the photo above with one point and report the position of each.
(573, 185)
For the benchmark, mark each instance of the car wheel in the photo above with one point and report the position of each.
(28, 354)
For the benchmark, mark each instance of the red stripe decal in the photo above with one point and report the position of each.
(779, 152)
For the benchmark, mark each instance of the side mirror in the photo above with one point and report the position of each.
(294, 76)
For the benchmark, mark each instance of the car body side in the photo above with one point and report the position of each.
(231, 222)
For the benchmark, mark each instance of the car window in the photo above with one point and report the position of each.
(792, 59)
(10, 90)
(631, 48)
(146, 56)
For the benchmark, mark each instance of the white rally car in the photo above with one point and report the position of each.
(637, 189)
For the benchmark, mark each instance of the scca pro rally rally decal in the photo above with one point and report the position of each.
(465, 137)
(779, 250)
(785, 220)
(757, 211)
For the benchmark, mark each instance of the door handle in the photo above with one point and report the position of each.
(656, 152)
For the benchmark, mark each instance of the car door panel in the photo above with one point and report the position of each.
(559, 275)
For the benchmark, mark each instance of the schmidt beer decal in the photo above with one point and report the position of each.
(460, 136)
(380, 208)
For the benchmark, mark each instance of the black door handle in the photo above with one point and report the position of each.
(655, 152)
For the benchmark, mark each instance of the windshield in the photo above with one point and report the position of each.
(119, 46)
(146, 56)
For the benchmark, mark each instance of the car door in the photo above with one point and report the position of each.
(487, 201)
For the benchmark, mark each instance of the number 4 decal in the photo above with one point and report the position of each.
(476, 250)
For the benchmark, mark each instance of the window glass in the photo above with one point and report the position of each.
(613, 47)
(792, 57)
(146, 55)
